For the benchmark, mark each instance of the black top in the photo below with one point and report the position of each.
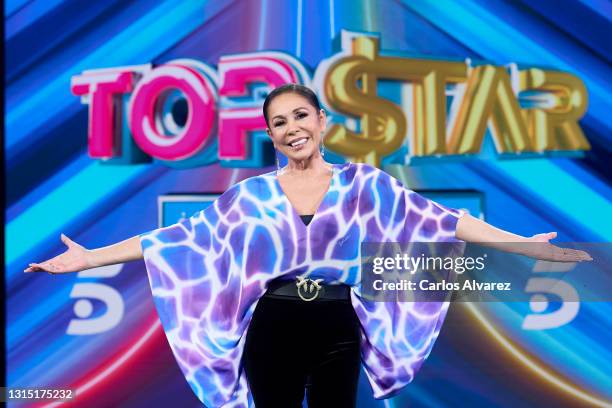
(306, 218)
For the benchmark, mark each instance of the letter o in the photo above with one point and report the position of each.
(143, 112)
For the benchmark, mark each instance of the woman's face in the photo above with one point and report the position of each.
(295, 126)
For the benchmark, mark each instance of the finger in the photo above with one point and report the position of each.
(579, 255)
(585, 256)
(45, 266)
(39, 267)
(544, 237)
(32, 268)
(572, 255)
(66, 240)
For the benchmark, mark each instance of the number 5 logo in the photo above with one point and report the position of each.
(539, 302)
(83, 307)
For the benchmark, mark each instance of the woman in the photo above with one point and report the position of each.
(279, 254)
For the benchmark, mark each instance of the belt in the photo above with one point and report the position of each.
(307, 290)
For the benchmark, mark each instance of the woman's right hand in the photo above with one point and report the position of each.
(76, 258)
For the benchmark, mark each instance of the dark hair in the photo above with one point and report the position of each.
(301, 90)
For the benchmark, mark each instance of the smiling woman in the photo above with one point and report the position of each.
(296, 124)
(259, 294)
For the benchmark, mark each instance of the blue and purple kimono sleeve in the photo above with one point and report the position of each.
(397, 335)
(197, 292)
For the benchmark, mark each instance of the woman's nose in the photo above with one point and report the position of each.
(292, 127)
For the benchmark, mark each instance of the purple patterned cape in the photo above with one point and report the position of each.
(208, 272)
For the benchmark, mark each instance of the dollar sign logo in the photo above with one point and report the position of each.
(383, 124)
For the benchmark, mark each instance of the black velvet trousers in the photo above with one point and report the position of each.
(293, 345)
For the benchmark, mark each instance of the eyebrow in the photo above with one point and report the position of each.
(293, 111)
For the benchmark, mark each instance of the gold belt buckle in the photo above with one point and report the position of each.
(308, 285)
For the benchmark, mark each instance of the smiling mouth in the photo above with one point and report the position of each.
(298, 142)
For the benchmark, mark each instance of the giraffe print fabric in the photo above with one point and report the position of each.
(208, 272)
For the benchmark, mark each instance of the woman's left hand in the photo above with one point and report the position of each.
(539, 247)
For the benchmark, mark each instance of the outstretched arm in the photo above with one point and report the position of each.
(470, 229)
(78, 258)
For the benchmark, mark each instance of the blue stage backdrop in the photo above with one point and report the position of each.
(122, 116)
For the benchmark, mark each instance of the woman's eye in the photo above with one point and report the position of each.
(301, 115)
(279, 123)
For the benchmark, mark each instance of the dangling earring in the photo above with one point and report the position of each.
(321, 147)
(279, 168)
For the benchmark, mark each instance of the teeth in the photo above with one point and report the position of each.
(299, 142)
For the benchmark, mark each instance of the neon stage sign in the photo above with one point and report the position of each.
(378, 104)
